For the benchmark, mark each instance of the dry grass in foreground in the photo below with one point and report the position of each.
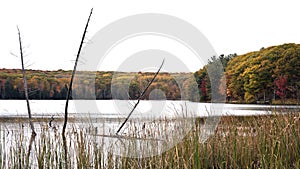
(239, 142)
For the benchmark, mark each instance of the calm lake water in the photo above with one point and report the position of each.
(120, 108)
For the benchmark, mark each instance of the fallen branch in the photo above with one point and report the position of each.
(128, 137)
(140, 97)
(25, 84)
(73, 73)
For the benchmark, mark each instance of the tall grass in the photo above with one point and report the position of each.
(271, 141)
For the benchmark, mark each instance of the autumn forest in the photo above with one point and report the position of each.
(270, 75)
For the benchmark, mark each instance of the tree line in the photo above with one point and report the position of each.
(89, 85)
(270, 74)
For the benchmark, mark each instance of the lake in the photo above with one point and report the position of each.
(108, 115)
(120, 108)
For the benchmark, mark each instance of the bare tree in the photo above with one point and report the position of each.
(25, 83)
(73, 73)
(140, 97)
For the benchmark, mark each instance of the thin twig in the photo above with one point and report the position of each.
(140, 97)
(25, 84)
(73, 73)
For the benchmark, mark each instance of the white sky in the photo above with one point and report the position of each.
(52, 30)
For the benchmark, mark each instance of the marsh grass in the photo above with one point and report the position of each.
(271, 141)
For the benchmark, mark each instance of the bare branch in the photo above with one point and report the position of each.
(14, 54)
(82, 61)
(73, 73)
(140, 97)
(25, 84)
(29, 64)
(32, 92)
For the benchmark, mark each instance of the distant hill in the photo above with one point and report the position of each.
(269, 75)
(261, 75)
(266, 75)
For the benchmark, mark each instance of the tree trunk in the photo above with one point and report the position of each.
(73, 73)
(25, 84)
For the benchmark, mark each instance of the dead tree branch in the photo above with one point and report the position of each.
(25, 83)
(140, 97)
(73, 73)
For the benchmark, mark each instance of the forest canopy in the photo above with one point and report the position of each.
(270, 74)
(91, 85)
(265, 75)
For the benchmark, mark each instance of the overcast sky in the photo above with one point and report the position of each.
(52, 31)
